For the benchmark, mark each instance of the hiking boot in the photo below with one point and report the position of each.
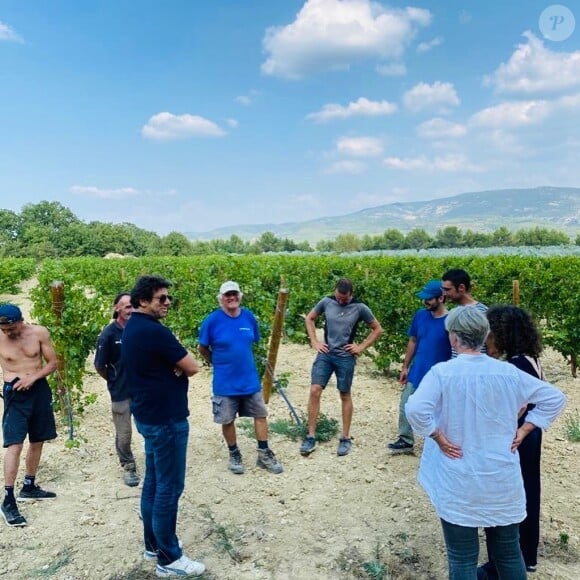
(308, 446)
(131, 478)
(400, 446)
(34, 493)
(235, 464)
(183, 567)
(12, 516)
(267, 460)
(344, 446)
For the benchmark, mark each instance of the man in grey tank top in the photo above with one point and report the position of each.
(337, 354)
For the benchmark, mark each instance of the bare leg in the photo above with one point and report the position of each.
(11, 463)
(347, 408)
(261, 427)
(313, 408)
(229, 432)
(33, 457)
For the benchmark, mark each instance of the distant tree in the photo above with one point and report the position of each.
(473, 239)
(392, 239)
(418, 239)
(541, 237)
(175, 244)
(347, 243)
(449, 237)
(268, 242)
(502, 237)
(578, 239)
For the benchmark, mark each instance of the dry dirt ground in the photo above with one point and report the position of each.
(325, 517)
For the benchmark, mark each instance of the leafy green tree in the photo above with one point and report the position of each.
(449, 237)
(473, 239)
(541, 237)
(502, 237)
(418, 239)
(392, 239)
(347, 243)
(175, 244)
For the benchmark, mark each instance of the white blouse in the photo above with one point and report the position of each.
(474, 400)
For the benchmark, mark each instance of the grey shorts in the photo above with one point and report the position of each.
(342, 366)
(225, 409)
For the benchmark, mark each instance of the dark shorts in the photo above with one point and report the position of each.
(225, 409)
(28, 412)
(326, 364)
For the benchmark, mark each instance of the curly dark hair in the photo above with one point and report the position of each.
(514, 331)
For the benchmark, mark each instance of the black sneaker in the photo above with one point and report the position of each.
(12, 516)
(308, 446)
(400, 446)
(34, 493)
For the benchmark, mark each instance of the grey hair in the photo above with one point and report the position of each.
(470, 326)
(220, 298)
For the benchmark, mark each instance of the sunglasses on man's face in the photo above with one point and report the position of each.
(231, 293)
(164, 298)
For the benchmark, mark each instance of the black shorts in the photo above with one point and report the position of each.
(28, 412)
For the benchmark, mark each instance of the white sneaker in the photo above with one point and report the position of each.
(183, 567)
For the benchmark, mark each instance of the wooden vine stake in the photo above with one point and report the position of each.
(57, 297)
(516, 292)
(277, 329)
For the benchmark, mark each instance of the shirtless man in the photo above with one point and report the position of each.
(27, 358)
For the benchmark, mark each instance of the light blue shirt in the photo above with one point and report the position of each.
(474, 400)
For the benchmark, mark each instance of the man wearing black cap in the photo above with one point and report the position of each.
(428, 345)
(27, 358)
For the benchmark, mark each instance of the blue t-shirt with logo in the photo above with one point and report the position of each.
(231, 343)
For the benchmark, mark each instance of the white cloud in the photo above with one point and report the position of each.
(166, 126)
(359, 146)
(431, 44)
(243, 100)
(512, 114)
(7, 33)
(438, 128)
(334, 34)
(438, 96)
(533, 68)
(360, 108)
(447, 164)
(395, 69)
(347, 166)
(91, 191)
(232, 122)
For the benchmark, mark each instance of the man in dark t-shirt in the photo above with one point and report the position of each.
(337, 354)
(157, 367)
(108, 364)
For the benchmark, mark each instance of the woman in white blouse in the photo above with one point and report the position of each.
(467, 408)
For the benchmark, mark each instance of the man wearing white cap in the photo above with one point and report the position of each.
(226, 340)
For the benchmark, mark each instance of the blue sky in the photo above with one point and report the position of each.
(188, 115)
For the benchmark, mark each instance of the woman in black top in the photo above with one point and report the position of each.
(514, 336)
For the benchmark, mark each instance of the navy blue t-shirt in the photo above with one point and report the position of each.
(149, 353)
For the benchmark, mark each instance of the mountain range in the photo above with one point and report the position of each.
(548, 207)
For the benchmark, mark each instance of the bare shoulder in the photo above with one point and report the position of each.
(37, 331)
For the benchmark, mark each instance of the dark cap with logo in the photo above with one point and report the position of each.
(10, 314)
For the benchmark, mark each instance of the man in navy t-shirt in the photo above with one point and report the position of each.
(428, 345)
(157, 367)
(226, 340)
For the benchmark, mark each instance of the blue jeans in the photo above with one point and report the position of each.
(463, 550)
(165, 455)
